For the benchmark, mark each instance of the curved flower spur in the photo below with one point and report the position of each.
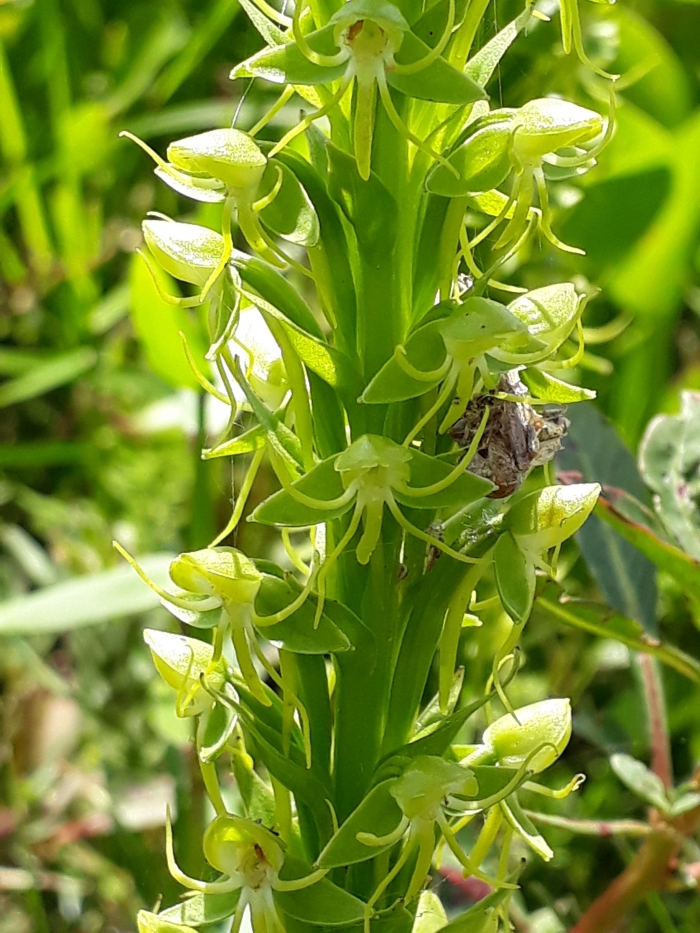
(370, 43)
(228, 166)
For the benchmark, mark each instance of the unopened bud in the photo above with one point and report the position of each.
(545, 725)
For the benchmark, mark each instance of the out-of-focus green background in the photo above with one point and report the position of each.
(101, 425)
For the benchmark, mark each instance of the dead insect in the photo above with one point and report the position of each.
(517, 437)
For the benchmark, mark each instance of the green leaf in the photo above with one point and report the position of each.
(605, 623)
(515, 578)
(322, 482)
(594, 450)
(291, 214)
(158, 326)
(297, 633)
(202, 909)
(549, 389)
(379, 813)
(275, 289)
(246, 443)
(47, 375)
(440, 81)
(483, 162)
(425, 350)
(685, 569)
(271, 33)
(668, 459)
(321, 904)
(85, 600)
(287, 65)
(640, 780)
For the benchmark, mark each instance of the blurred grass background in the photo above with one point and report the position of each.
(101, 426)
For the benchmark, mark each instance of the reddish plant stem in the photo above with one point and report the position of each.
(647, 872)
(661, 763)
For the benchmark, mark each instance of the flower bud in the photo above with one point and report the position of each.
(152, 923)
(229, 155)
(427, 781)
(186, 251)
(218, 571)
(483, 325)
(238, 846)
(547, 517)
(181, 661)
(548, 123)
(547, 724)
(549, 313)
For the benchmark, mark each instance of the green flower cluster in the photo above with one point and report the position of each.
(402, 413)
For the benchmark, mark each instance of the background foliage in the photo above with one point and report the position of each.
(101, 426)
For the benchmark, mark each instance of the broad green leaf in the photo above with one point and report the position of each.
(668, 460)
(378, 813)
(483, 162)
(202, 909)
(547, 388)
(440, 81)
(640, 780)
(685, 569)
(594, 450)
(158, 326)
(602, 622)
(291, 215)
(515, 578)
(285, 64)
(47, 375)
(272, 286)
(322, 482)
(85, 600)
(297, 633)
(321, 904)
(425, 351)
